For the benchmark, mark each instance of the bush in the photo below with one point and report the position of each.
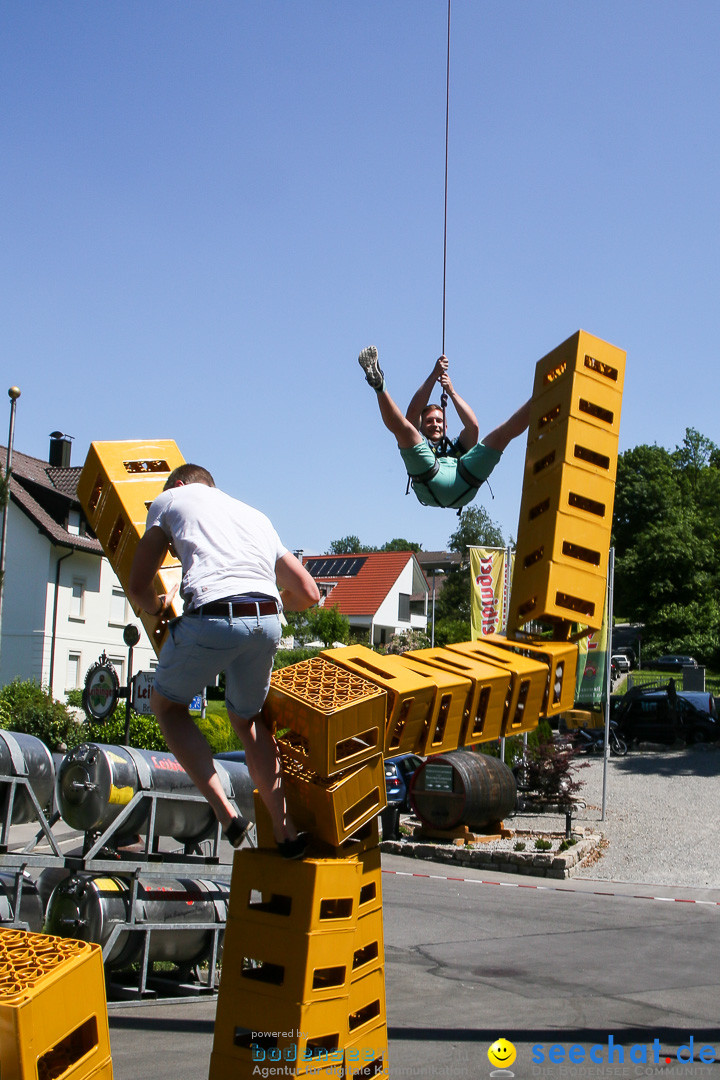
(286, 657)
(144, 734)
(406, 640)
(29, 708)
(543, 845)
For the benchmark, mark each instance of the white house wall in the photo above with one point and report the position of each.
(28, 602)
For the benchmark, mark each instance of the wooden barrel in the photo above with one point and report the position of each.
(462, 788)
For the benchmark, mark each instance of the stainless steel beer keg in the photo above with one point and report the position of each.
(24, 755)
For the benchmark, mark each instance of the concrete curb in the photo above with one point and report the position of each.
(534, 863)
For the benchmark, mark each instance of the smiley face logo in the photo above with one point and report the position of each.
(502, 1053)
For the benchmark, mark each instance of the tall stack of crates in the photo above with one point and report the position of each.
(303, 979)
(569, 484)
(53, 1009)
(118, 482)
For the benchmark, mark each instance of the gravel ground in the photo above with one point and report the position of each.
(662, 821)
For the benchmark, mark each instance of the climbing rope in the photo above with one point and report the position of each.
(444, 397)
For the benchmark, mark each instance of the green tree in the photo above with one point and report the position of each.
(349, 545)
(325, 624)
(399, 544)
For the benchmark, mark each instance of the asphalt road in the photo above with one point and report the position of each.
(566, 971)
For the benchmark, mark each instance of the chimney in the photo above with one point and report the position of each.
(60, 449)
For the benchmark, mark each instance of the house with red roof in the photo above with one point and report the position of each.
(381, 593)
(62, 604)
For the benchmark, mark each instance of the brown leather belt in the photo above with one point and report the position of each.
(239, 608)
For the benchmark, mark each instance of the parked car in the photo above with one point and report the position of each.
(672, 662)
(626, 650)
(398, 773)
(664, 716)
(620, 662)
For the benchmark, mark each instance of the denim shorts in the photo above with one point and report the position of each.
(199, 647)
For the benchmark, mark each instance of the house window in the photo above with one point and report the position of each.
(77, 599)
(74, 522)
(118, 608)
(119, 664)
(404, 607)
(72, 681)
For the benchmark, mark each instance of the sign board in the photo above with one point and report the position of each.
(143, 683)
(101, 691)
(196, 704)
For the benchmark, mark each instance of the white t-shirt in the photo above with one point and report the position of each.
(226, 547)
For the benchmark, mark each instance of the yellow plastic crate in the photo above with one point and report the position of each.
(489, 691)
(449, 717)
(337, 718)
(411, 695)
(551, 592)
(305, 895)
(285, 965)
(594, 403)
(366, 1003)
(574, 443)
(585, 354)
(334, 808)
(366, 838)
(567, 490)
(53, 1009)
(528, 678)
(565, 539)
(252, 1030)
(108, 463)
(367, 1055)
(368, 944)
(370, 898)
(561, 660)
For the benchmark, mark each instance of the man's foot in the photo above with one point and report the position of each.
(368, 361)
(294, 849)
(237, 830)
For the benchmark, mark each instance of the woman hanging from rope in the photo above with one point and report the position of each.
(442, 473)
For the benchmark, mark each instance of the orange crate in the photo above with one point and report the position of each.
(565, 539)
(305, 895)
(252, 1030)
(582, 397)
(336, 717)
(552, 592)
(450, 714)
(334, 808)
(284, 965)
(370, 898)
(585, 354)
(367, 1055)
(567, 490)
(561, 660)
(571, 443)
(490, 689)
(411, 695)
(528, 678)
(366, 1004)
(368, 946)
(53, 1009)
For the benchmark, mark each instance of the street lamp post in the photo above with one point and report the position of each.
(13, 394)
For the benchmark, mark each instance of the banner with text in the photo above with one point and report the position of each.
(490, 577)
(591, 690)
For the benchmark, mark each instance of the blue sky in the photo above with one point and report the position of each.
(209, 208)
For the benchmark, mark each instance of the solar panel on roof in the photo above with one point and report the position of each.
(345, 566)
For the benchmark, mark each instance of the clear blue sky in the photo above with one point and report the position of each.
(209, 208)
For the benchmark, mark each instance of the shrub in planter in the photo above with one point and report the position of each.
(27, 707)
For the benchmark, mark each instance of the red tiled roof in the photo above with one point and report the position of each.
(364, 593)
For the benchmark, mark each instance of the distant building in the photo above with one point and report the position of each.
(62, 604)
(381, 593)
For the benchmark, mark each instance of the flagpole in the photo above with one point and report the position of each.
(608, 679)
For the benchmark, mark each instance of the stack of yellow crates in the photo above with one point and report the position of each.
(118, 482)
(569, 484)
(303, 977)
(53, 1009)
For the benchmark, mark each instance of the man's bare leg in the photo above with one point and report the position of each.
(263, 761)
(190, 747)
(499, 438)
(396, 422)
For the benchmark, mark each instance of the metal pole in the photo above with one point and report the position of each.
(432, 633)
(608, 681)
(13, 394)
(128, 700)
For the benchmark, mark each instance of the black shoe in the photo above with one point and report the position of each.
(294, 849)
(237, 831)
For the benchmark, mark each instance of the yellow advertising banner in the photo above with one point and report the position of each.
(490, 577)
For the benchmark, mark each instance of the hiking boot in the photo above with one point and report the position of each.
(368, 361)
